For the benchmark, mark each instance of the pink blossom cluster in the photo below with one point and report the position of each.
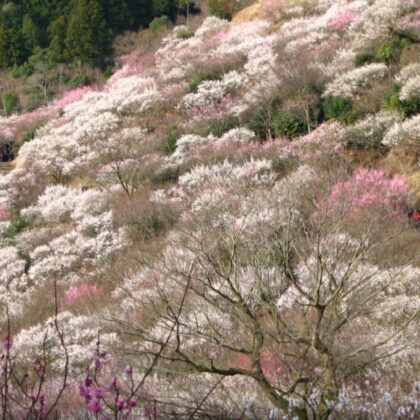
(368, 189)
(72, 96)
(341, 21)
(80, 292)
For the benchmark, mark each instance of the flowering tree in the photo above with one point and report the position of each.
(299, 305)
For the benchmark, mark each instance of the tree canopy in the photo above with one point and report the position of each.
(74, 30)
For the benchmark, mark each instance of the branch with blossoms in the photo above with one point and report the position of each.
(25, 394)
(115, 398)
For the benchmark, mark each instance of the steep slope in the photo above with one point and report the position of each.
(231, 218)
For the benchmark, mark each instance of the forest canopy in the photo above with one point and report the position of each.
(72, 30)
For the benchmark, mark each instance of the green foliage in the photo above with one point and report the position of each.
(87, 36)
(410, 107)
(220, 126)
(202, 75)
(289, 123)
(226, 8)
(18, 224)
(5, 41)
(160, 23)
(185, 34)
(364, 58)
(164, 8)
(390, 50)
(391, 101)
(169, 146)
(23, 71)
(75, 30)
(259, 119)
(31, 33)
(284, 166)
(11, 103)
(107, 72)
(29, 135)
(81, 79)
(57, 33)
(339, 108)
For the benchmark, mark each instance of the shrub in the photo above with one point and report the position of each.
(289, 123)
(392, 101)
(220, 126)
(108, 72)
(390, 50)
(364, 58)
(18, 224)
(202, 75)
(80, 80)
(369, 133)
(166, 175)
(169, 146)
(225, 9)
(160, 23)
(11, 103)
(29, 135)
(145, 220)
(259, 119)
(23, 71)
(185, 33)
(335, 107)
(410, 107)
(284, 166)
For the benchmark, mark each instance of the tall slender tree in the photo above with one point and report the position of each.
(87, 34)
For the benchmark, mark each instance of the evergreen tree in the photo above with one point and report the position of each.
(31, 33)
(57, 32)
(87, 35)
(4, 48)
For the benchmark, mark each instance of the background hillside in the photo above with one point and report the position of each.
(226, 225)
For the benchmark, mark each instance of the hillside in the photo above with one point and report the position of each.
(228, 227)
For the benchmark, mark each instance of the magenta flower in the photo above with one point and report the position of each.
(7, 344)
(88, 381)
(128, 370)
(113, 385)
(131, 403)
(99, 393)
(121, 405)
(94, 406)
(85, 392)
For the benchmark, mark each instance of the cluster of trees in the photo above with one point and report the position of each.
(73, 30)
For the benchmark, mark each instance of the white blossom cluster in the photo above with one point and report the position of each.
(407, 130)
(370, 131)
(213, 91)
(409, 79)
(190, 144)
(376, 19)
(80, 335)
(80, 137)
(351, 84)
(75, 240)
